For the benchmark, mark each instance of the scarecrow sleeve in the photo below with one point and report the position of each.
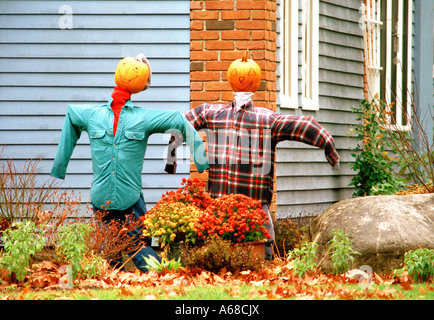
(164, 121)
(75, 122)
(307, 130)
(197, 118)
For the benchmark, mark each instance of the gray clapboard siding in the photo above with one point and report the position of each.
(78, 50)
(86, 94)
(84, 166)
(87, 21)
(43, 68)
(101, 36)
(129, 8)
(306, 184)
(42, 108)
(84, 65)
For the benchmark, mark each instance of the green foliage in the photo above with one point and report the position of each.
(374, 166)
(341, 251)
(419, 264)
(21, 243)
(73, 247)
(303, 259)
(164, 265)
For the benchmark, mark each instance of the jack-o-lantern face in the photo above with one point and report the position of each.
(132, 75)
(244, 75)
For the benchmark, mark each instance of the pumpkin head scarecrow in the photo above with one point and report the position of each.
(242, 140)
(133, 74)
(244, 75)
(118, 135)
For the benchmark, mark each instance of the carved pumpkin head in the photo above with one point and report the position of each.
(244, 74)
(132, 75)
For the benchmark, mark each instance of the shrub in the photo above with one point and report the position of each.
(287, 236)
(72, 246)
(374, 165)
(110, 238)
(217, 254)
(304, 258)
(192, 192)
(23, 197)
(172, 222)
(341, 251)
(234, 217)
(419, 264)
(21, 242)
(415, 148)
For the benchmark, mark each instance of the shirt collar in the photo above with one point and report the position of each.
(128, 104)
(244, 106)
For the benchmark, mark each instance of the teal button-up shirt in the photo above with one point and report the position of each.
(117, 161)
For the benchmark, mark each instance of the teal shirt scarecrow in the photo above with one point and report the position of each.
(117, 160)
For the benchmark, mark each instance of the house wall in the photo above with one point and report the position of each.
(306, 184)
(52, 55)
(423, 62)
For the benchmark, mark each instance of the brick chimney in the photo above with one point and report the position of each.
(220, 31)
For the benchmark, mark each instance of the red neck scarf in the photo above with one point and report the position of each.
(120, 97)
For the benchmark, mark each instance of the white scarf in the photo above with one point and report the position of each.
(241, 98)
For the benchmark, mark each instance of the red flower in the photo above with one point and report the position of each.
(235, 217)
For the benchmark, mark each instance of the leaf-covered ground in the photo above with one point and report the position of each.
(275, 281)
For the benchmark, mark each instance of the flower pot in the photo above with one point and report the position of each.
(257, 248)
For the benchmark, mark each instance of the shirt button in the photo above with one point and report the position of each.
(113, 172)
(114, 145)
(113, 159)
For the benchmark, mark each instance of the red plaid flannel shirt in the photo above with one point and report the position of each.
(242, 145)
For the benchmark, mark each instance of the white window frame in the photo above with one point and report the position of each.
(373, 26)
(289, 49)
(399, 86)
(310, 55)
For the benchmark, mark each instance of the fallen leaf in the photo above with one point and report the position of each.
(378, 278)
(219, 279)
(406, 285)
(233, 291)
(257, 283)
(125, 292)
(26, 289)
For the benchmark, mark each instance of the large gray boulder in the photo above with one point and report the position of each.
(382, 229)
